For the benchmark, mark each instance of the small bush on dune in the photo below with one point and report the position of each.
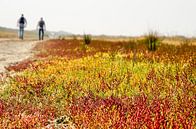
(152, 40)
(87, 39)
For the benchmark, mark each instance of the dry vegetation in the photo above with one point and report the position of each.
(13, 33)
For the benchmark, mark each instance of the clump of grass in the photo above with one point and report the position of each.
(152, 40)
(87, 39)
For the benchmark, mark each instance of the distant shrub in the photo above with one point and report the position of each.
(87, 39)
(74, 37)
(61, 37)
(131, 45)
(152, 40)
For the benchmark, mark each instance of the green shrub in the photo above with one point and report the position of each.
(152, 40)
(87, 39)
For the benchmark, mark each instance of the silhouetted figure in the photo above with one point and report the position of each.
(22, 23)
(41, 27)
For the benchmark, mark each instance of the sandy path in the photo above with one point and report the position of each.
(13, 51)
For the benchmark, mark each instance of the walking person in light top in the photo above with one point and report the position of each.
(41, 27)
(22, 23)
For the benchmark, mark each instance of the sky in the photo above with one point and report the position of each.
(110, 17)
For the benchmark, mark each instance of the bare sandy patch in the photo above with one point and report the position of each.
(13, 51)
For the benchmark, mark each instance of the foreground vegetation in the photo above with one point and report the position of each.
(102, 85)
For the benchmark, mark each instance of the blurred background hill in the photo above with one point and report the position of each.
(30, 34)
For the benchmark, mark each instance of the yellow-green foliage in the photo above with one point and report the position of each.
(105, 90)
(103, 74)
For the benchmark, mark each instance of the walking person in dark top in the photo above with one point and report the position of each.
(22, 23)
(41, 27)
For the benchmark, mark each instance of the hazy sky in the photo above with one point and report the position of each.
(113, 17)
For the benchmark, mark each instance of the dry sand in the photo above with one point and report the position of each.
(13, 51)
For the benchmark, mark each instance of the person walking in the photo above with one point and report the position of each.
(41, 27)
(22, 23)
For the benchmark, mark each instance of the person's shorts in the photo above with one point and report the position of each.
(21, 26)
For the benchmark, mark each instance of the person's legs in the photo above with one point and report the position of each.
(21, 32)
(42, 34)
(39, 34)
